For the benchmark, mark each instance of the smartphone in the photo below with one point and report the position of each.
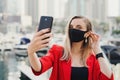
(45, 22)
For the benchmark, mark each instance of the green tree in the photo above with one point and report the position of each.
(117, 20)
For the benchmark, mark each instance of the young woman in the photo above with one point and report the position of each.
(79, 59)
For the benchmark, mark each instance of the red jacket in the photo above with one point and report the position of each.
(62, 69)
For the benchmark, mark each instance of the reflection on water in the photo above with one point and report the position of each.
(8, 66)
(3, 70)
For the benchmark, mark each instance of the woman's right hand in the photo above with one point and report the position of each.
(38, 42)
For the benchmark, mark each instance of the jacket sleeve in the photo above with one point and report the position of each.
(48, 60)
(98, 74)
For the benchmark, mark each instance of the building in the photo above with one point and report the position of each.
(15, 7)
(56, 8)
(32, 9)
(75, 7)
(93, 9)
(2, 6)
(37, 8)
(13, 13)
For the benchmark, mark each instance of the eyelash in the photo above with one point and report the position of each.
(71, 26)
(78, 27)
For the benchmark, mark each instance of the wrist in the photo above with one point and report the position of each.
(30, 52)
(98, 51)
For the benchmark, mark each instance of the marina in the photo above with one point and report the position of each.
(17, 67)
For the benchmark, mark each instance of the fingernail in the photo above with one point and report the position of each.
(48, 28)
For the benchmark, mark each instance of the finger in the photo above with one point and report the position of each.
(95, 37)
(92, 33)
(44, 45)
(41, 32)
(87, 34)
(41, 38)
(92, 37)
(39, 45)
(46, 41)
(45, 36)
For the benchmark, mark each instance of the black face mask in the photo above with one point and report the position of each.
(76, 35)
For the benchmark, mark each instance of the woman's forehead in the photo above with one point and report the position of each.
(78, 21)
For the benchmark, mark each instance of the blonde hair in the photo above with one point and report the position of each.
(86, 47)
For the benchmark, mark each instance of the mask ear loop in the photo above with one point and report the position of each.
(86, 39)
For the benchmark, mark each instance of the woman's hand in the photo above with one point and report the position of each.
(39, 41)
(95, 40)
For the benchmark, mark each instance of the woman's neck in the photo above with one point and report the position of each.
(76, 47)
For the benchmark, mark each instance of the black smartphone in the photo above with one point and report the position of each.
(45, 22)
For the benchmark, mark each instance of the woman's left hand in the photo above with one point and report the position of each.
(95, 39)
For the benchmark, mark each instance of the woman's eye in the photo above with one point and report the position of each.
(70, 26)
(79, 27)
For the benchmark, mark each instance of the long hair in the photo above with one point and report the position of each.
(86, 46)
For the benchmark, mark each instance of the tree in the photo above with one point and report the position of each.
(117, 20)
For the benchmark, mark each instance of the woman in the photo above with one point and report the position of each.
(79, 59)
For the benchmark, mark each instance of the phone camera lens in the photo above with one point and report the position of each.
(45, 19)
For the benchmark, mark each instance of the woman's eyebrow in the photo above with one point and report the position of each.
(79, 25)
